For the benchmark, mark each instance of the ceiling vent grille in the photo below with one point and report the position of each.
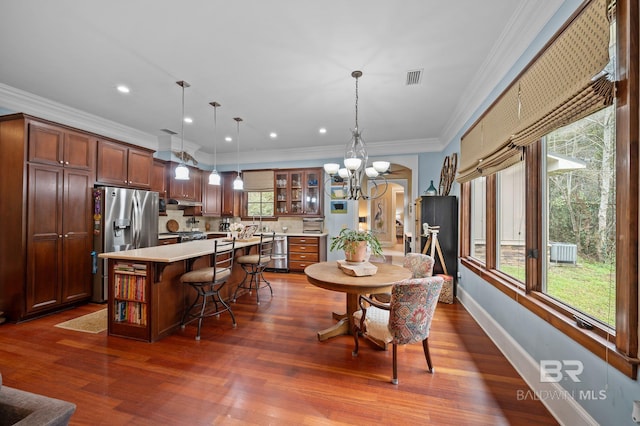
(169, 132)
(414, 77)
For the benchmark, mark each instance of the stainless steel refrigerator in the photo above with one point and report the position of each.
(123, 219)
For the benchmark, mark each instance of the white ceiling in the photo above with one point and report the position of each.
(284, 66)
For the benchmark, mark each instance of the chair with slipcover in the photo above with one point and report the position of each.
(207, 282)
(404, 320)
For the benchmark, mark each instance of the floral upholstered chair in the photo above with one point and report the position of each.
(405, 319)
(420, 265)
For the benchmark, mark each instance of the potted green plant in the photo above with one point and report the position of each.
(354, 243)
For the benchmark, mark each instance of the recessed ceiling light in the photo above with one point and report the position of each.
(188, 120)
(228, 139)
(273, 135)
(123, 89)
(322, 130)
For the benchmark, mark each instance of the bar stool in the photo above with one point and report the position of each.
(254, 265)
(208, 282)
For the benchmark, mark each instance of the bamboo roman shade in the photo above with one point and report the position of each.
(564, 83)
(258, 180)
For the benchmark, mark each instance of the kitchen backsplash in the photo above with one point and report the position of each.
(292, 225)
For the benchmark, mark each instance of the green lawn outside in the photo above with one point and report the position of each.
(587, 286)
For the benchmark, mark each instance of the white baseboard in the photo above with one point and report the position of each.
(558, 401)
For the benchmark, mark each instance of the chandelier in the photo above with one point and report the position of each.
(356, 171)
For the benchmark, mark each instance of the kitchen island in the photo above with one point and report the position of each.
(146, 298)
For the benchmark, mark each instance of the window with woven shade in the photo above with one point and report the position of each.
(569, 80)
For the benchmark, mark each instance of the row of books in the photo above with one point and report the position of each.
(130, 312)
(132, 268)
(130, 287)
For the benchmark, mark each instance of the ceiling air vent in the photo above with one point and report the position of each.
(414, 77)
(169, 132)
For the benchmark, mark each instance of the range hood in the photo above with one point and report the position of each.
(184, 203)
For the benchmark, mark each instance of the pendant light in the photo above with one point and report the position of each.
(237, 183)
(214, 177)
(182, 171)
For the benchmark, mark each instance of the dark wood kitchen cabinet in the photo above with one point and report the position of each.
(211, 198)
(190, 189)
(59, 237)
(123, 165)
(45, 252)
(159, 178)
(231, 198)
(49, 144)
(298, 192)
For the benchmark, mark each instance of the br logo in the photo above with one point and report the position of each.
(553, 370)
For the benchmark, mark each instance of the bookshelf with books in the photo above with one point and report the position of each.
(129, 300)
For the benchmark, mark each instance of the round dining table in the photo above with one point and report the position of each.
(329, 276)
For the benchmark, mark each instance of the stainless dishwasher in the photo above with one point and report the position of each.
(279, 257)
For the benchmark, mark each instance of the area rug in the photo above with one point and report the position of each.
(94, 322)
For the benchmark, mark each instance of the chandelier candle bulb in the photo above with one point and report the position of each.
(381, 166)
(371, 172)
(331, 168)
(352, 163)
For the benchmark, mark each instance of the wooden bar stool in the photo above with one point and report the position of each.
(207, 282)
(254, 265)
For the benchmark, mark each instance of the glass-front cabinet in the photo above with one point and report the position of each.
(298, 192)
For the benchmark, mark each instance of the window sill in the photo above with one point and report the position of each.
(597, 341)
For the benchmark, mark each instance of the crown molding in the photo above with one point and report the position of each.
(520, 32)
(20, 101)
(413, 146)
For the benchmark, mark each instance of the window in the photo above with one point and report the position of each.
(510, 221)
(580, 216)
(580, 184)
(478, 219)
(259, 203)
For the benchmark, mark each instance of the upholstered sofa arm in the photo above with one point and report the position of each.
(22, 408)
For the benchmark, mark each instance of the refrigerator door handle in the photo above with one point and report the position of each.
(135, 226)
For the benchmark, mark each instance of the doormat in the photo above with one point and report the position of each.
(94, 322)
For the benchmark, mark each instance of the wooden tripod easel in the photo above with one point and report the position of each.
(432, 241)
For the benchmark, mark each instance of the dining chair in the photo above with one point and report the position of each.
(254, 265)
(420, 265)
(207, 282)
(404, 320)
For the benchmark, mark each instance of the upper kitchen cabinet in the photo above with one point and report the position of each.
(159, 178)
(190, 190)
(49, 144)
(298, 192)
(231, 198)
(123, 165)
(211, 198)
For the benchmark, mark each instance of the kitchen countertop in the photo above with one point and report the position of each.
(173, 252)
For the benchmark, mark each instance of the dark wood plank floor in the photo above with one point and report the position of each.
(271, 369)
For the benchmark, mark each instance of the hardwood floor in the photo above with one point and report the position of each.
(271, 369)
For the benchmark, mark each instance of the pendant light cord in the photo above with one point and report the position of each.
(182, 126)
(215, 139)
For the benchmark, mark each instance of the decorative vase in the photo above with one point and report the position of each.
(357, 252)
(431, 190)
